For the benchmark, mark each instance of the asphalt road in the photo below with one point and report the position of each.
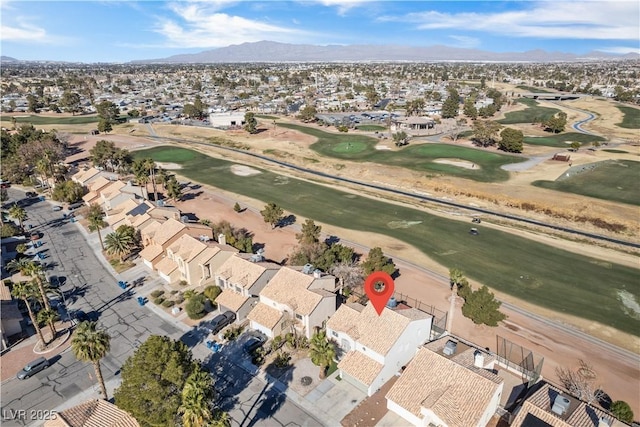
(91, 288)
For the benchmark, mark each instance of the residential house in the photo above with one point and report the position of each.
(412, 124)
(88, 176)
(112, 196)
(447, 383)
(190, 259)
(157, 236)
(375, 347)
(242, 277)
(548, 406)
(302, 299)
(97, 412)
(11, 318)
(117, 216)
(93, 196)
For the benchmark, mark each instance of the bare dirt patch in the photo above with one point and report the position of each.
(242, 170)
(458, 162)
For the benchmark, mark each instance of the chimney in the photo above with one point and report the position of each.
(222, 239)
(478, 359)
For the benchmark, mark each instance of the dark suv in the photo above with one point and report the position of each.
(216, 324)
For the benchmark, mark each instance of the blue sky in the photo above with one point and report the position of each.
(120, 31)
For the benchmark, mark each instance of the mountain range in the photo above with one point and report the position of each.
(267, 51)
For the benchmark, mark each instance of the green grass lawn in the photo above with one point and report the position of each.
(552, 278)
(371, 128)
(266, 117)
(615, 180)
(528, 115)
(560, 139)
(421, 157)
(532, 89)
(42, 120)
(631, 119)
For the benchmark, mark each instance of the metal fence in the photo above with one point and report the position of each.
(514, 356)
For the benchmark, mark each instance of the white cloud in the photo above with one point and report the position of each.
(610, 20)
(620, 49)
(23, 31)
(465, 41)
(343, 6)
(202, 25)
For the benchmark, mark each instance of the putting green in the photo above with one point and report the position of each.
(349, 147)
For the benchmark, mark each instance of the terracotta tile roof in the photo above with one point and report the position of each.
(138, 220)
(580, 414)
(151, 252)
(166, 266)
(289, 287)
(457, 395)
(99, 183)
(5, 293)
(169, 229)
(265, 315)
(231, 300)
(240, 271)
(94, 413)
(112, 189)
(187, 247)
(148, 230)
(379, 333)
(90, 197)
(83, 176)
(360, 366)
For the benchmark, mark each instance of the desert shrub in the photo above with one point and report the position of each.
(257, 357)
(282, 359)
(168, 303)
(21, 248)
(157, 293)
(277, 343)
(233, 333)
(183, 283)
(189, 294)
(179, 299)
(173, 292)
(158, 300)
(195, 307)
(212, 292)
(622, 411)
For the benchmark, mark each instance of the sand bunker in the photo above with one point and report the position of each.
(458, 162)
(382, 147)
(170, 166)
(242, 170)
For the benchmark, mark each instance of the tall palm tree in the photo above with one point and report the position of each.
(151, 166)
(18, 213)
(118, 244)
(26, 291)
(163, 177)
(96, 221)
(49, 317)
(90, 344)
(196, 400)
(31, 268)
(322, 352)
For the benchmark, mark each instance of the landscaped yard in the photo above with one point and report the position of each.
(563, 140)
(631, 119)
(371, 128)
(420, 157)
(528, 115)
(48, 120)
(615, 180)
(533, 89)
(559, 280)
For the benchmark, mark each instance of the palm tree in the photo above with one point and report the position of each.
(151, 166)
(173, 188)
(196, 400)
(96, 223)
(49, 317)
(118, 244)
(31, 268)
(90, 344)
(322, 352)
(18, 213)
(163, 177)
(27, 291)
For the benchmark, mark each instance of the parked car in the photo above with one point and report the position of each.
(33, 368)
(31, 194)
(216, 324)
(57, 208)
(254, 341)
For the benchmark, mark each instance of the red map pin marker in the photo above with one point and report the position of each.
(379, 288)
